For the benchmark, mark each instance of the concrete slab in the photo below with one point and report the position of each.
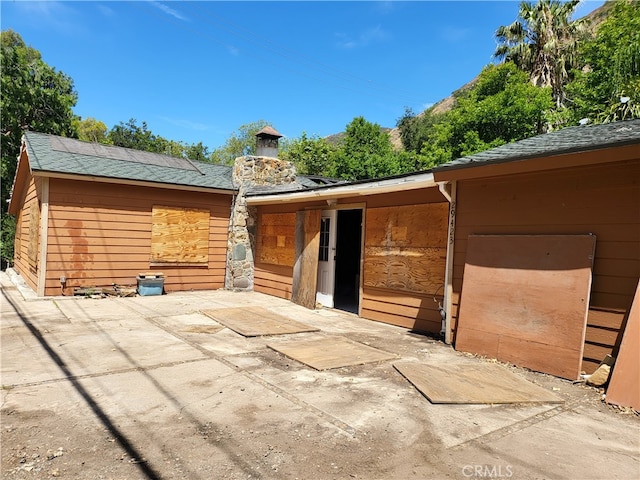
(151, 390)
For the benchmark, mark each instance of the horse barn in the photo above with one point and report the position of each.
(528, 252)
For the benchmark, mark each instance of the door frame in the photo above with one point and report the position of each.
(350, 206)
(326, 298)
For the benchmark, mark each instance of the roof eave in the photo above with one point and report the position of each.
(124, 181)
(331, 192)
(552, 161)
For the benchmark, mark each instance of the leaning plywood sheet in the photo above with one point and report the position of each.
(330, 352)
(483, 383)
(524, 300)
(624, 386)
(256, 321)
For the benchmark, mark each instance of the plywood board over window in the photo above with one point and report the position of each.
(525, 299)
(406, 247)
(276, 239)
(179, 236)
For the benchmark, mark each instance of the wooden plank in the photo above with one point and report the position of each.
(527, 292)
(473, 384)
(422, 225)
(331, 352)
(418, 270)
(624, 385)
(179, 235)
(405, 247)
(34, 233)
(256, 321)
(305, 270)
(276, 238)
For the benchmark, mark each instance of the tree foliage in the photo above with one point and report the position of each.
(543, 41)
(92, 130)
(503, 106)
(240, 142)
(610, 69)
(140, 137)
(366, 152)
(310, 155)
(34, 97)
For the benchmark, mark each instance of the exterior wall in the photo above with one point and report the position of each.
(396, 306)
(597, 199)
(100, 234)
(24, 246)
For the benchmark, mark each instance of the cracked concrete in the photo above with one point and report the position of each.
(148, 387)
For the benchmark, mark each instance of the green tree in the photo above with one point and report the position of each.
(366, 152)
(34, 97)
(502, 107)
(543, 41)
(611, 68)
(197, 152)
(311, 155)
(240, 142)
(92, 130)
(130, 135)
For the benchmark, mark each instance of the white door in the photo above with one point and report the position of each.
(327, 258)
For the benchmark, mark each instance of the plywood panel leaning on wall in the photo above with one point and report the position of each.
(276, 239)
(525, 298)
(405, 247)
(305, 270)
(34, 234)
(624, 386)
(179, 236)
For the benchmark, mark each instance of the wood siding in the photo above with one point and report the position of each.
(415, 310)
(598, 199)
(26, 246)
(276, 238)
(100, 234)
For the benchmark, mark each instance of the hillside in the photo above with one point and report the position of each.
(595, 18)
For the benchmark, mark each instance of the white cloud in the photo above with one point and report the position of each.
(55, 15)
(106, 11)
(168, 10)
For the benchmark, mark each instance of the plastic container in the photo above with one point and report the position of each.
(150, 284)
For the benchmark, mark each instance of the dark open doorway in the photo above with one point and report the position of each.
(348, 252)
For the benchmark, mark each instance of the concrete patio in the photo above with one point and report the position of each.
(149, 387)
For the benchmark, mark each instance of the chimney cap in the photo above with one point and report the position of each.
(268, 132)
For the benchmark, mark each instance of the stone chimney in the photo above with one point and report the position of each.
(263, 169)
(267, 142)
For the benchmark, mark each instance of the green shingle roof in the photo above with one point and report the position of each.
(49, 153)
(567, 140)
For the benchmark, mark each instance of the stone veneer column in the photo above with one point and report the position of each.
(249, 171)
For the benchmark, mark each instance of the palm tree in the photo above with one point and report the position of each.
(543, 41)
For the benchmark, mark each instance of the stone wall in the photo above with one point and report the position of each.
(249, 172)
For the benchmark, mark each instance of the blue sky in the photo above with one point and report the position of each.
(196, 71)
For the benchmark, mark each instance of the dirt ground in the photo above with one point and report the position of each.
(150, 388)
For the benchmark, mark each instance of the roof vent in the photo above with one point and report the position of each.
(267, 142)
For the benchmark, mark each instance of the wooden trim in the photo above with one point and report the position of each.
(136, 183)
(448, 274)
(362, 248)
(44, 236)
(554, 162)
